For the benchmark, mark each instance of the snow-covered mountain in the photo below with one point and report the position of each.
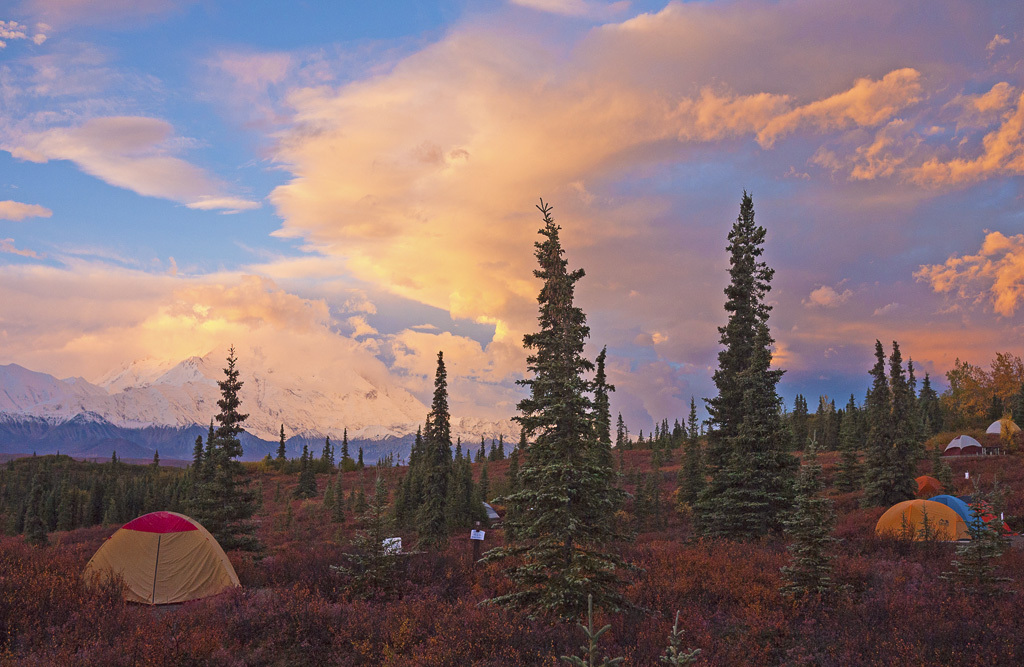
(311, 403)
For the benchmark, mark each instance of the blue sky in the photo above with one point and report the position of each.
(177, 175)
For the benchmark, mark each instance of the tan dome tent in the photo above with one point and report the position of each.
(994, 436)
(962, 445)
(906, 520)
(163, 558)
(996, 427)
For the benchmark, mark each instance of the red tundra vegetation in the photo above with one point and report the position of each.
(294, 609)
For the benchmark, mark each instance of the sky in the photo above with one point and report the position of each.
(363, 177)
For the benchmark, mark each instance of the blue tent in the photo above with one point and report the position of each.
(955, 504)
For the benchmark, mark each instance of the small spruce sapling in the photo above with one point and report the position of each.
(589, 651)
(674, 653)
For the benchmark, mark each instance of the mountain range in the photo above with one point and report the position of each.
(154, 405)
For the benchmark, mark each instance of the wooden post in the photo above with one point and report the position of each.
(476, 543)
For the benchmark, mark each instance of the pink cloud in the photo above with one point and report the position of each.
(827, 297)
(14, 210)
(7, 245)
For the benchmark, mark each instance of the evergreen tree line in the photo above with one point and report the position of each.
(51, 493)
(329, 461)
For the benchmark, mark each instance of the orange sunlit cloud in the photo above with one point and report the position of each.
(995, 275)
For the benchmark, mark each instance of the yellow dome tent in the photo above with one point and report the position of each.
(906, 520)
(163, 558)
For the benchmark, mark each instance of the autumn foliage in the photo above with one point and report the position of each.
(295, 608)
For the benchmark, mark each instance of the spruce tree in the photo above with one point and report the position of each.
(282, 453)
(621, 435)
(359, 464)
(223, 502)
(372, 565)
(849, 472)
(974, 568)
(878, 412)
(747, 454)
(562, 516)
(327, 457)
(906, 430)
(602, 412)
(338, 509)
(894, 433)
(930, 408)
(306, 487)
(798, 422)
(437, 464)
(197, 454)
(810, 531)
(34, 525)
(691, 472)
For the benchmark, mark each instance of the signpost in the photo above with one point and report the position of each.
(476, 536)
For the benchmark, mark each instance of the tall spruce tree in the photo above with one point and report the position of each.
(562, 515)
(691, 472)
(197, 454)
(849, 471)
(906, 433)
(621, 435)
(894, 433)
(751, 469)
(223, 502)
(282, 454)
(347, 463)
(877, 411)
(930, 408)
(437, 464)
(602, 412)
(327, 456)
(798, 422)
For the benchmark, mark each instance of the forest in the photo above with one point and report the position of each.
(746, 539)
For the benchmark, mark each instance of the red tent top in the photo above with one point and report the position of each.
(160, 522)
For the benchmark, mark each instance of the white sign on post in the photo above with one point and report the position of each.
(476, 535)
(967, 475)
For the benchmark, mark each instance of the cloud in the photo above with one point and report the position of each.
(827, 297)
(360, 327)
(575, 7)
(867, 103)
(126, 13)
(995, 275)
(131, 152)
(1002, 154)
(442, 156)
(223, 204)
(14, 210)
(7, 246)
(996, 42)
(17, 31)
(87, 317)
